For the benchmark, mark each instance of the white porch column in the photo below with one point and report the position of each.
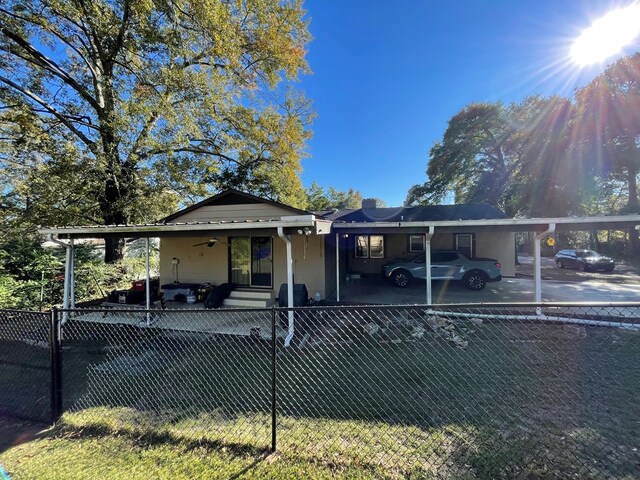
(72, 272)
(537, 270)
(337, 267)
(67, 281)
(147, 286)
(427, 260)
(287, 241)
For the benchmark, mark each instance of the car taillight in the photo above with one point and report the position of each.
(498, 265)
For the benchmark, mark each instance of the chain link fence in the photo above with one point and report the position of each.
(25, 365)
(458, 391)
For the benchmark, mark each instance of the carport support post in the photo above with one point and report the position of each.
(287, 241)
(67, 281)
(147, 286)
(427, 260)
(72, 278)
(537, 271)
(337, 267)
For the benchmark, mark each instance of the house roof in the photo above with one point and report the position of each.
(433, 213)
(231, 197)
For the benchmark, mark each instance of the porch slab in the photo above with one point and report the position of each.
(190, 318)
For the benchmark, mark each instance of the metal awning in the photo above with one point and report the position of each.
(318, 226)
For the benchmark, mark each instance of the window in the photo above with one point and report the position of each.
(362, 246)
(369, 246)
(464, 244)
(416, 243)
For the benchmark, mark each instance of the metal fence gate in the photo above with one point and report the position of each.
(25, 365)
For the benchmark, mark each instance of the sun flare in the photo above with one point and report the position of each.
(607, 36)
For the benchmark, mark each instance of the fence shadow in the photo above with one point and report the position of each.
(495, 391)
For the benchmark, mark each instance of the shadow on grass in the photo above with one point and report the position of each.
(521, 399)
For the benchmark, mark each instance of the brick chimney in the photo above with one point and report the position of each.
(368, 203)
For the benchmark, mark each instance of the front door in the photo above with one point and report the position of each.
(251, 261)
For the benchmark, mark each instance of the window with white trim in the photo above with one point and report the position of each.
(416, 243)
(369, 246)
(464, 244)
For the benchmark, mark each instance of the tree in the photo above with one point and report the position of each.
(472, 161)
(320, 199)
(155, 101)
(512, 157)
(609, 109)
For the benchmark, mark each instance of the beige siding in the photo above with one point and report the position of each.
(500, 246)
(250, 211)
(197, 264)
(203, 264)
(308, 268)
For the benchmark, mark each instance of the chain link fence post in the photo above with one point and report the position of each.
(56, 366)
(274, 380)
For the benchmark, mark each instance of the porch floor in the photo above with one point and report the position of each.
(187, 317)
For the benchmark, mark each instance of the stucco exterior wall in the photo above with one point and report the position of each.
(203, 264)
(498, 245)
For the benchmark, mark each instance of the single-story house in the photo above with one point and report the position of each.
(255, 257)
(259, 244)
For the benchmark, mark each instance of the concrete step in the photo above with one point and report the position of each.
(248, 302)
(252, 294)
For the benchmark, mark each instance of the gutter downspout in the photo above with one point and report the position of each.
(65, 300)
(147, 286)
(291, 330)
(537, 271)
(427, 259)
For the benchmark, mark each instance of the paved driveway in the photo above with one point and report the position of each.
(519, 289)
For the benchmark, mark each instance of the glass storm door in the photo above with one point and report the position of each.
(251, 261)
(261, 264)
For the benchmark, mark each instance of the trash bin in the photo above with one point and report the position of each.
(300, 295)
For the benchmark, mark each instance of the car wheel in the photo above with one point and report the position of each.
(559, 264)
(610, 269)
(582, 267)
(401, 278)
(475, 280)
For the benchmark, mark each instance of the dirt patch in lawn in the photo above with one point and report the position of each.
(14, 431)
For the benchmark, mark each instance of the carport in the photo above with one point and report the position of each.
(541, 227)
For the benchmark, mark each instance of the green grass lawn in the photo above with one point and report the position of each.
(523, 400)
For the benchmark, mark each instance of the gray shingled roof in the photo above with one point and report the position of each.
(470, 211)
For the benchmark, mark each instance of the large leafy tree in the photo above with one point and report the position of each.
(472, 161)
(510, 156)
(125, 106)
(609, 128)
(319, 198)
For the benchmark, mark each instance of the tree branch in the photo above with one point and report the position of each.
(39, 59)
(52, 110)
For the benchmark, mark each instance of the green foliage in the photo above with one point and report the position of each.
(513, 157)
(32, 277)
(115, 111)
(545, 156)
(609, 110)
(319, 198)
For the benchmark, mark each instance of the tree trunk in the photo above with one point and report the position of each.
(113, 249)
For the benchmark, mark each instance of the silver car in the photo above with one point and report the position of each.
(445, 265)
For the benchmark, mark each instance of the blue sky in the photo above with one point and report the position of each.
(387, 75)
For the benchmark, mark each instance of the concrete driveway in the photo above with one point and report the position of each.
(374, 290)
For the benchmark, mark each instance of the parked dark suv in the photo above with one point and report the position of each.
(584, 260)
